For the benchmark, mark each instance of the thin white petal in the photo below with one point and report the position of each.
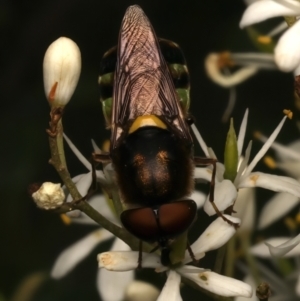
(100, 203)
(84, 183)
(284, 245)
(224, 196)
(190, 269)
(215, 235)
(292, 168)
(96, 147)
(288, 152)
(265, 9)
(245, 210)
(271, 182)
(249, 280)
(81, 179)
(242, 131)
(71, 256)
(77, 153)
(226, 80)
(220, 285)
(126, 261)
(200, 139)
(289, 248)
(112, 285)
(287, 50)
(276, 208)
(243, 164)
(171, 289)
(278, 29)
(265, 147)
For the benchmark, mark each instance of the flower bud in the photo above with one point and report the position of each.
(49, 196)
(61, 68)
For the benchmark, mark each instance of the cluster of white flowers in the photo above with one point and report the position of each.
(115, 279)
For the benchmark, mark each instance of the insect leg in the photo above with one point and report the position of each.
(140, 259)
(206, 162)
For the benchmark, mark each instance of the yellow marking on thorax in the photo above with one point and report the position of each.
(146, 120)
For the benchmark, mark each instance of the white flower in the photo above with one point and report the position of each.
(288, 159)
(250, 63)
(217, 234)
(225, 190)
(49, 196)
(218, 66)
(61, 69)
(278, 247)
(287, 51)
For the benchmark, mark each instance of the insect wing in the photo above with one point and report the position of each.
(142, 82)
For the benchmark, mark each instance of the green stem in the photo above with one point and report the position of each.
(245, 244)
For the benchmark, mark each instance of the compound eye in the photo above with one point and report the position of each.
(175, 218)
(141, 222)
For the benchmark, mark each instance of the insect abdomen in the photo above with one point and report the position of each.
(153, 167)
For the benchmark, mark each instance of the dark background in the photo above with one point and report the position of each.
(31, 239)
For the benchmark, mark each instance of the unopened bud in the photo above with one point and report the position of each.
(49, 196)
(61, 68)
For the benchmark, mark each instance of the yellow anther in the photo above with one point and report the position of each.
(290, 223)
(66, 220)
(270, 162)
(225, 60)
(297, 218)
(105, 146)
(264, 40)
(288, 113)
(297, 101)
(257, 135)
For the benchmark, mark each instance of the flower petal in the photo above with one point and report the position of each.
(215, 235)
(289, 248)
(242, 131)
(226, 80)
(297, 289)
(61, 70)
(171, 289)
(203, 173)
(199, 197)
(200, 140)
(287, 50)
(271, 182)
(112, 285)
(140, 290)
(249, 280)
(284, 245)
(245, 210)
(125, 261)
(276, 208)
(265, 9)
(77, 153)
(71, 256)
(220, 285)
(264, 148)
(225, 195)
